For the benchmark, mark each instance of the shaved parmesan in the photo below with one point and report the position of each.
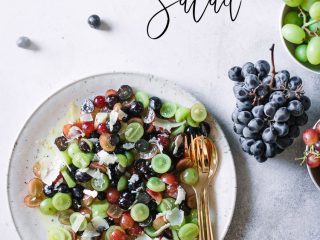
(134, 178)
(181, 196)
(77, 223)
(95, 173)
(144, 237)
(128, 146)
(90, 193)
(89, 233)
(174, 217)
(113, 119)
(50, 169)
(177, 142)
(109, 173)
(106, 158)
(98, 222)
(122, 114)
(86, 117)
(166, 124)
(160, 230)
(157, 143)
(101, 117)
(75, 132)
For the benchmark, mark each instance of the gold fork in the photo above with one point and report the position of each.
(203, 153)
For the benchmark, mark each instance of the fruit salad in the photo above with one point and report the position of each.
(120, 171)
(302, 28)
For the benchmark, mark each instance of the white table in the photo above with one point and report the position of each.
(276, 200)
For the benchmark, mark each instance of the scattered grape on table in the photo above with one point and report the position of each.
(120, 171)
(270, 108)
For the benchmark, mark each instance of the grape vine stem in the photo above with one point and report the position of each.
(273, 66)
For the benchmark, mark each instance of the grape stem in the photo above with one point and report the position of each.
(306, 24)
(273, 66)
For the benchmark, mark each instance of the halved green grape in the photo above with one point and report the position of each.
(168, 109)
(293, 3)
(293, 18)
(61, 201)
(122, 183)
(191, 122)
(100, 184)
(293, 33)
(301, 53)
(64, 216)
(188, 231)
(110, 230)
(134, 132)
(178, 130)
(73, 149)
(315, 11)
(130, 157)
(313, 51)
(59, 233)
(192, 217)
(142, 97)
(99, 209)
(66, 157)
(151, 232)
(166, 205)
(161, 163)
(306, 4)
(190, 176)
(47, 208)
(82, 160)
(122, 160)
(175, 235)
(155, 184)
(139, 212)
(181, 114)
(76, 215)
(69, 180)
(177, 227)
(198, 112)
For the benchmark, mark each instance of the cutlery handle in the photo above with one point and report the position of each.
(201, 216)
(207, 219)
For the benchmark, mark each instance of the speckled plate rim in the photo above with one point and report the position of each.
(151, 76)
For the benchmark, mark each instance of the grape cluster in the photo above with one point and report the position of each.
(269, 110)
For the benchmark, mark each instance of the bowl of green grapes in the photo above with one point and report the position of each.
(300, 30)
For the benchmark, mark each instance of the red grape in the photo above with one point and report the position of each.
(112, 195)
(87, 128)
(126, 221)
(118, 235)
(317, 128)
(102, 128)
(313, 161)
(317, 146)
(111, 92)
(136, 230)
(172, 190)
(157, 196)
(310, 137)
(169, 178)
(99, 101)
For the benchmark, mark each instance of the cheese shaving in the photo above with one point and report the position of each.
(98, 222)
(177, 142)
(77, 223)
(90, 193)
(89, 233)
(166, 124)
(134, 178)
(128, 146)
(113, 119)
(106, 158)
(160, 230)
(181, 196)
(86, 117)
(101, 117)
(174, 217)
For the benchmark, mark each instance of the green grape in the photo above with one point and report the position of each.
(66, 157)
(122, 183)
(315, 11)
(193, 216)
(315, 27)
(73, 149)
(188, 231)
(306, 4)
(313, 51)
(122, 160)
(293, 3)
(69, 180)
(178, 130)
(177, 227)
(156, 184)
(130, 157)
(161, 163)
(182, 114)
(59, 233)
(73, 218)
(139, 212)
(293, 18)
(168, 109)
(175, 235)
(166, 205)
(134, 132)
(82, 160)
(100, 184)
(198, 112)
(99, 209)
(61, 201)
(142, 97)
(151, 232)
(191, 122)
(294, 34)
(189, 176)
(301, 53)
(47, 208)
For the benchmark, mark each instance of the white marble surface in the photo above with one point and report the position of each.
(276, 200)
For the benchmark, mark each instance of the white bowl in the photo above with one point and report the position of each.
(290, 47)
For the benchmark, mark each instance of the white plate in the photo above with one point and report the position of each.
(30, 223)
